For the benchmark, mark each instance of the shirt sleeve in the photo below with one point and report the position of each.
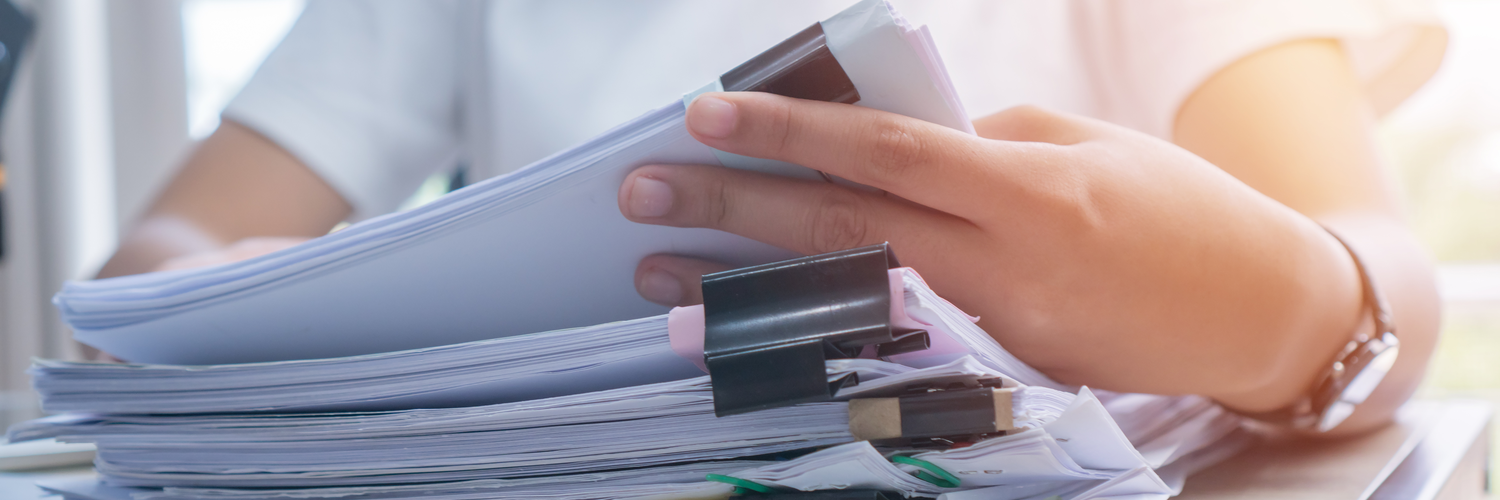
(1150, 56)
(365, 93)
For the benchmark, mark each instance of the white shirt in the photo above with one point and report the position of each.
(376, 95)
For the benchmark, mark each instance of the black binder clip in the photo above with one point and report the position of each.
(928, 415)
(800, 67)
(768, 329)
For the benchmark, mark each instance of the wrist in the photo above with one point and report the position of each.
(1354, 373)
(1330, 313)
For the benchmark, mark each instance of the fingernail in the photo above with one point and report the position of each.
(662, 288)
(711, 116)
(650, 197)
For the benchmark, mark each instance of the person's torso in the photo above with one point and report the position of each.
(559, 72)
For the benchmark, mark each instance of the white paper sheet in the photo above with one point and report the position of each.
(540, 249)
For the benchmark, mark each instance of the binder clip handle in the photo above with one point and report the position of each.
(935, 415)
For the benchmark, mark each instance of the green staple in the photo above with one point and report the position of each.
(741, 486)
(937, 476)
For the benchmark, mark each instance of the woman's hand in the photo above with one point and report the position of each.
(245, 249)
(1099, 255)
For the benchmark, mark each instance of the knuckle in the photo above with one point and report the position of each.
(1032, 114)
(897, 148)
(1028, 112)
(838, 223)
(716, 210)
(1077, 203)
(781, 124)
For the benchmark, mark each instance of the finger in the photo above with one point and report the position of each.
(673, 280)
(196, 260)
(244, 249)
(802, 216)
(250, 248)
(1034, 124)
(932, 165)
(93, 354)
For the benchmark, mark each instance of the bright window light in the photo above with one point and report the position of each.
(225, 41)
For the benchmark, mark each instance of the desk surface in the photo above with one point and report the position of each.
(19, 486)
(1292, 468)
(1433, 445)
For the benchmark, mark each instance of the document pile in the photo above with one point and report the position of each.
(492, 423)
(491, 345)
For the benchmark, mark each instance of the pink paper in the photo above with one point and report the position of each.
(940, 341)
(685, 328)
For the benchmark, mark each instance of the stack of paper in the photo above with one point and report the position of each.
(400, 357)
(650, 425)
(1066, 446)
(684, 481)
(1063, 444)
(500, 370)
(537, 444)
(515, 368)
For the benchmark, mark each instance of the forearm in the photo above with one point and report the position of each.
(236, 185)
(1401, 269)
(1213, 289)
(1243, 300)
(1226, 282)
(1291, 123)
(1327, 309)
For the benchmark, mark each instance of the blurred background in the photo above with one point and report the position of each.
(107, 96)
